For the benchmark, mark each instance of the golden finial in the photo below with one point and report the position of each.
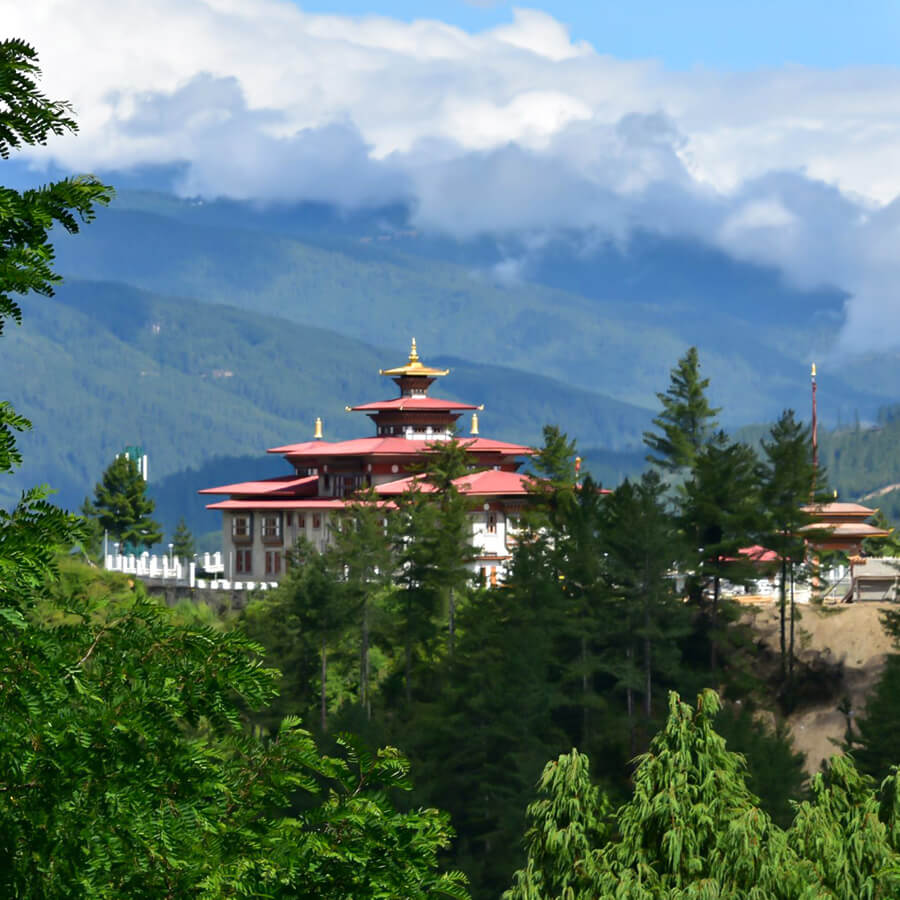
(318, 435)
(413, 353)
(813, 373)
(835, 493)
(474, 423)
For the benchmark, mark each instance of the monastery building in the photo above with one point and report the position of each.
(263, 519)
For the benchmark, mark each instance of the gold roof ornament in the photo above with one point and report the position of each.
(813, 372)
(475, 423)
(318, 435)
(414, 366)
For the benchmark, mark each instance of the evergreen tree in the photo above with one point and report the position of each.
(641, 544)
(446, 463)
(183, 542)
(788, 479)
(692, 828)
(365, 553)
(566, 824)
(554, 488)
(686, 421)
(123, 507)
(841, 835)
(875, 746)
(720, 515)
(882, 546)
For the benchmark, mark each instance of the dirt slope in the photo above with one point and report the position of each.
(851, 635)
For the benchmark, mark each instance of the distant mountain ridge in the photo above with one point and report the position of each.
(600, 317)
(103, 365)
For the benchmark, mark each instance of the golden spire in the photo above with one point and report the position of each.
(318, 435)
(414, 366)
(474, 423)
(813, 372)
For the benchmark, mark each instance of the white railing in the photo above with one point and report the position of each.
(174, 571)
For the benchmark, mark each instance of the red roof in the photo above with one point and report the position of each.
(477, 484)
(756, 553)
(425, 404)
(283, 483)
(312, 503)
(394, 446)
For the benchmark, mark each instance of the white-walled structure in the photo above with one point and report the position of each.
(263, 519)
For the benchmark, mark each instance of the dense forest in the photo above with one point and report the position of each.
(149, 752)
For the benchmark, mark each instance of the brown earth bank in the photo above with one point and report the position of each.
(841, 651)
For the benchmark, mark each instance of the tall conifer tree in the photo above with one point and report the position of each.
(788, 481)
(686, 421)
(123, 507)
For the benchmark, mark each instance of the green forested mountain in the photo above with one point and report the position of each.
(102, 365)
(606, 319)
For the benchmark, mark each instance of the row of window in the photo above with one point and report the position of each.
(270, 527)
(243, 562)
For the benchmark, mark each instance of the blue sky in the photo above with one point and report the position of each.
(684, 33)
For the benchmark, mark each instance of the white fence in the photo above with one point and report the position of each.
(172, 571)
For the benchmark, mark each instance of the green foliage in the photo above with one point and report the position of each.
(566, 823)
(122, 507)
(719, 516)
(789, 482)
(840, 833)
(775, 769)
(126, 769)
(26, 218)
(692, 828)
(875, 746)
(686, 422)
(183, 542)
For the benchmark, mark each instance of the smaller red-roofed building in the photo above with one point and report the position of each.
(263, 519)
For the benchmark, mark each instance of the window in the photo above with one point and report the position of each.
(273, 562)
(492, 522)
(301, 520)
(240, 526)
(243, 561)
(317, 521)
(288, 519)
(271, 526)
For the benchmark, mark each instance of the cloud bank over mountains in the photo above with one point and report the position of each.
(515, 128)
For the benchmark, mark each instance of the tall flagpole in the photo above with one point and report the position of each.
(815, 421)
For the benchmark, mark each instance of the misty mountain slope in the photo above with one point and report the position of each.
(380, 291)
(103, 365)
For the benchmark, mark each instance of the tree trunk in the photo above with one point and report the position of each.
(791, 650)
(324, 678)
(629, 699)
(713, 623)
(648, 703)
(585, 724)
(364, 664)
(452, 622)
(783, 605)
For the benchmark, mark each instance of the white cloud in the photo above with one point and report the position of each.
(517, 126)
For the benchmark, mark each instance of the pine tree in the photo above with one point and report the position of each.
(641, 544)
(567, 823)
(183, 542)
(365, 553)
(123, 507)
(720, 515)
(788, 479)
(687, 420)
